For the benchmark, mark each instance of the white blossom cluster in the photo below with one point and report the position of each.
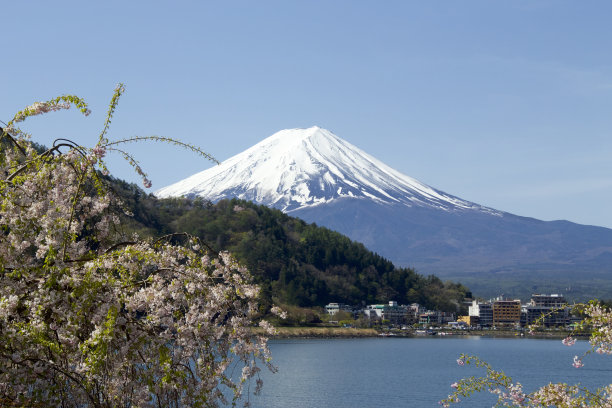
(90, 321)
(564, 395)
(601, 321)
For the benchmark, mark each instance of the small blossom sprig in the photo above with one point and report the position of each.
(136, 165)
(98, 152)
(59, 103)
(38, 108)
(511, 394)
(577, 362)
(568, 341)
(493, 381)
(119, 90)
(164, 139)
(598, 319)
(104, 145)
(275, 310)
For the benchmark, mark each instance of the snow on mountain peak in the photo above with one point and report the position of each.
(297, 168)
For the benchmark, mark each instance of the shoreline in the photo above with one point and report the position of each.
(291, 332)
(306, 332)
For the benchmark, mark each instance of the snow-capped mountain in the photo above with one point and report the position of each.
(298, 168)
(317, 176)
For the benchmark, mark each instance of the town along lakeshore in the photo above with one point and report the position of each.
(544, 316)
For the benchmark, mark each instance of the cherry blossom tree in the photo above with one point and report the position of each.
(89, 318)
(598, 320)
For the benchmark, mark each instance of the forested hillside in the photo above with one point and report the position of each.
(295, 263)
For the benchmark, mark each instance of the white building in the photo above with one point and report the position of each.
(484, 312)
(334, 308)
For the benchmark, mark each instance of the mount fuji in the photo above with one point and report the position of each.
(317, 176)
(301, 168)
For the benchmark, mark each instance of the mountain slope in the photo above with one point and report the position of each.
(512, 255)
(319, 177)
(297, 168)
(295, 263)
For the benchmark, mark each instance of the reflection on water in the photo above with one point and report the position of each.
(412, 372)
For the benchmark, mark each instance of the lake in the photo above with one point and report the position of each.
(413, 372)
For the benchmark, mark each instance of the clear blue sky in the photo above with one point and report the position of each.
(507, 104)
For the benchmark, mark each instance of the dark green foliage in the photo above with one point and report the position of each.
(295, 263)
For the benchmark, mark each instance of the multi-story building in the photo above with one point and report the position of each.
(506, 312)
(428, 317)
(483, 311)
(446, 317)
(374, 312)
(435, 317)
(554, 300)
(547, 310)
(413, 312)
(333, 308)
(395, 313)
(392, 312)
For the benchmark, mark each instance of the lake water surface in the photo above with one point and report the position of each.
(413, 372)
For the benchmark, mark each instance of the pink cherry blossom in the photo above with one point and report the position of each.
(568, 341)
(577, 362)
(99, 151)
